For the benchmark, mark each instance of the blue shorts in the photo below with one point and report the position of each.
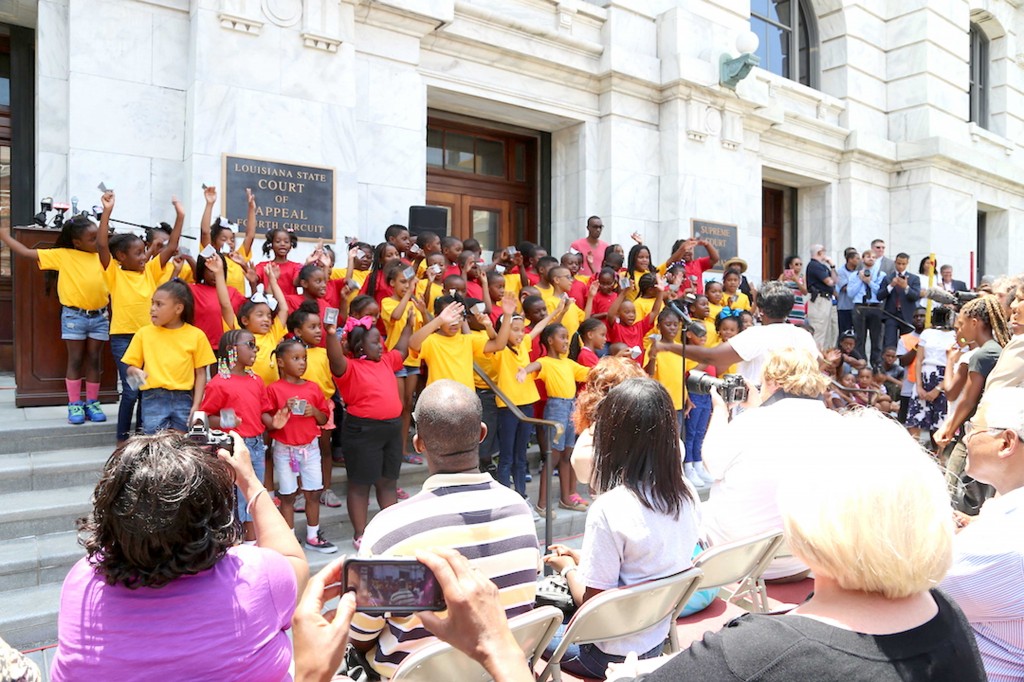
(407, 371)
(79, 325)
(560, 410)
(257, 453)
(164, 409)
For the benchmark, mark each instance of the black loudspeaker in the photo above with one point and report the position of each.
(428, 219)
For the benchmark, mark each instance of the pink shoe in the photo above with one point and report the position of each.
(402, 495)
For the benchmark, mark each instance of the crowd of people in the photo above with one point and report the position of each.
(378, 364)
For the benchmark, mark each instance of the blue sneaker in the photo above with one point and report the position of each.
(93, 411)
(76, 413)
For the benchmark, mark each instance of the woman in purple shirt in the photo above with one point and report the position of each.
(166, 592)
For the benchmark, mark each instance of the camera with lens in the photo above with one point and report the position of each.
(201, 435)
(731, 387)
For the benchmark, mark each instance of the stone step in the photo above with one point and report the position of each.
(45, 434)
(39, 560)
(29, 616)
(41, 512)
(20, 472)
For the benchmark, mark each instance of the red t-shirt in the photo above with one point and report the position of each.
(695, 270)
(298, 430)
(578, 293)
(383, 289)
(587, 357)
(369, 388)
(474, 290)
(451, 270)
(322, 304)
(288, 272)
(602, 302)
(632, 335)
(243, 393)
(208, 317)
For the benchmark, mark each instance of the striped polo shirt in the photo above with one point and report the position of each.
(488, 523)
(987, 583)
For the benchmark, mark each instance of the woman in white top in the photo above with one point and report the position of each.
(643, 527)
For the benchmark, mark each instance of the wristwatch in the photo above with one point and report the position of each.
(567, 570)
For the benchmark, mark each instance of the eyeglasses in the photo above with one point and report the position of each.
(971, 429)
(251, 344)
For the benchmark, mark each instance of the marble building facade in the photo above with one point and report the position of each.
(147, 94)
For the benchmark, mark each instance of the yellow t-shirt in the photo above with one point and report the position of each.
(513, 284)
(643, 306)
(712, 338)
(131, 294)
(265, 366)
(551, 298)
(485, 362)
(508, 362)
(81, 283)
(573, 318)
(583, 278)
(394, 328)
(186, 274)
(235, 275)
(451, 357)
(668, 371)
(435, 291)
(560, 376)
(169, 356)
(742, 301)
(318, 370)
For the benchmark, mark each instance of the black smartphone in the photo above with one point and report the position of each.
(392, 585)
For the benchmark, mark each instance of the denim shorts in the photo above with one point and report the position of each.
(257, 454)
(165, 409)
(407, 371)
(560, 410)
(77, 325)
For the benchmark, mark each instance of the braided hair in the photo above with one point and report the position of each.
(988, 310)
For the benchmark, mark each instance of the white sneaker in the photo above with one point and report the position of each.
(693, 477)
(703, 473)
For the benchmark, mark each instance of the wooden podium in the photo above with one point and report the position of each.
(40, 355)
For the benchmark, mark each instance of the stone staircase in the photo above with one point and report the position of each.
(48, 470)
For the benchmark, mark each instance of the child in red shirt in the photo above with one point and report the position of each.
(280, 242)
(236, 400)
(296, 443)
(372, 432)
(623, 327)
(601, 294)
(593, 337)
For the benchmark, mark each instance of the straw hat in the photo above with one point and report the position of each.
(736, 262)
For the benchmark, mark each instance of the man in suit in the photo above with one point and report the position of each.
(885, 264)
(948, 283)
(899, 293)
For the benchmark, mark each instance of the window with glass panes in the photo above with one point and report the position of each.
(979, 77)
(787, 39)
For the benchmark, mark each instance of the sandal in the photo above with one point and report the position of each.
(412, 459)
(575, 498)
(571, 506)
(401, 494)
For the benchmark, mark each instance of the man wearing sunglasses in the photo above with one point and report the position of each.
(987, 576)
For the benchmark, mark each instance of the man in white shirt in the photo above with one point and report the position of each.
(987, 576)
(750, 348)
(749, 457)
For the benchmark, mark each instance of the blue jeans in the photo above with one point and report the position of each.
(697, 426)
(513, 439)
(78, 325)
(164, 409)
(586, 660)
(129, 396)
(257, 454)
(560, 410)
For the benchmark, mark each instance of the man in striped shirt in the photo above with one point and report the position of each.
(987, 576)
(459, 508)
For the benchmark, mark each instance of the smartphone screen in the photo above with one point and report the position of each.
(392, 586)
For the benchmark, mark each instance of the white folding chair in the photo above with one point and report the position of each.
(740, 563)
(533, 630)
(618, 613)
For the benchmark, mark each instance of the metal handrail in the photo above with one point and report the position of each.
(521, 416)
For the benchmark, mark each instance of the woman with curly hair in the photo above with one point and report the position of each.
(608, 373)
(165, 586)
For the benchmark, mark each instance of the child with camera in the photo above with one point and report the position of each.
(296, 443)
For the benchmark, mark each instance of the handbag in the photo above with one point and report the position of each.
(553, 590)
(356, 667)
